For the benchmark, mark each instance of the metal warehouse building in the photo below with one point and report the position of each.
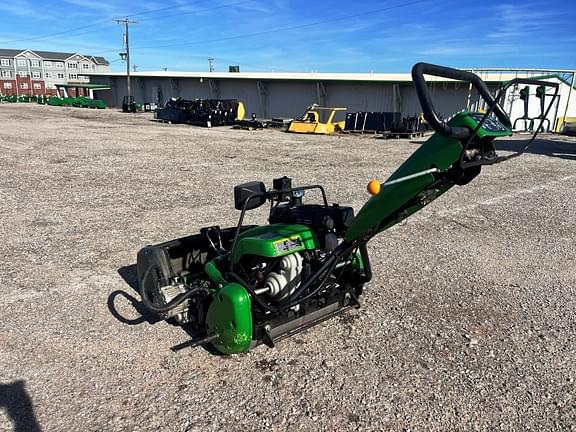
(271, 95)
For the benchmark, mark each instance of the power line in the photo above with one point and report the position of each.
(282, 29)
(163, 9)
(101, 23)
(187, 13)
(104, 21)
(237, 62)
(351, 16)
(60, 33)
(204, 10)
(202, 58)
(288, 28)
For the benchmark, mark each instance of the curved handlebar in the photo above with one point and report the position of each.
(428, 110)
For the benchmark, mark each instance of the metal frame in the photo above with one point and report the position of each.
(538, 71)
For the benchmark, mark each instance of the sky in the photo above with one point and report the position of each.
(299, 36)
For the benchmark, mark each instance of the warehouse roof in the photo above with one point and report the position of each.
(296, 76)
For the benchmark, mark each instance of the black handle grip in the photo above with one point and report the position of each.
(428, 110)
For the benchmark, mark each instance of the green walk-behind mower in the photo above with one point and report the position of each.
(238, 287)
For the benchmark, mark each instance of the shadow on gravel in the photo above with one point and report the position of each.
(17, 404)
(559, 149)
(145, 316)
(128, 273)
(130, 276)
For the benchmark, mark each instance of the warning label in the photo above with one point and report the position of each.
(288, 245)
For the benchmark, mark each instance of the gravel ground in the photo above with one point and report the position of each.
(468, 323)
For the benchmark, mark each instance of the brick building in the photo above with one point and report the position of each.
(27, 72)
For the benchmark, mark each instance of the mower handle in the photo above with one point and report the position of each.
(428, 110)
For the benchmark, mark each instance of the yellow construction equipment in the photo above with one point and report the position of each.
(318, 120)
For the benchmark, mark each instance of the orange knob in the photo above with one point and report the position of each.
(373, 187)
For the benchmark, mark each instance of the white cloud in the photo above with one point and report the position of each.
(103, 7)
(518, 21)
(22, 8)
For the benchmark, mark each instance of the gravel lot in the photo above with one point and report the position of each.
(468, 324)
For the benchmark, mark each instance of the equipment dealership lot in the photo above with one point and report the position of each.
(468, 324)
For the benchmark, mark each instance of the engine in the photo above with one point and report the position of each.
(256, 284)
(282, 283)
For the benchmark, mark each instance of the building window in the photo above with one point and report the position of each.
(59, 65)
(5, 62)
(73, 76)
(24, 86)
(7, 74)
(21, 62)
(72, 65)
(23, 74)
(36, 75)
(85, 66)
(7, 85)
(35, 63)
(37, 86)
(48, 74)
(48, 64)
(61, 75)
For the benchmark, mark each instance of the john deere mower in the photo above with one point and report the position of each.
(238, 287)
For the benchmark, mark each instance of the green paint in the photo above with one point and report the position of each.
(438, 152)
(358, 262)
(230, 314)
(230, 317)
(274, 241)
(213, 273)
(464, 119)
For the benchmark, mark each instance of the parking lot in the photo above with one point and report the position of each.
(468, 324)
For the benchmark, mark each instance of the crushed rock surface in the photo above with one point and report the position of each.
(468, 324)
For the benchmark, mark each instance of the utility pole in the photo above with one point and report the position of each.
(210, 64)
(126, 54)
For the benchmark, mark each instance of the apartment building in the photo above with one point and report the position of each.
(27, 72)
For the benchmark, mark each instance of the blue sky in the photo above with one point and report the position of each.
(300, 36)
